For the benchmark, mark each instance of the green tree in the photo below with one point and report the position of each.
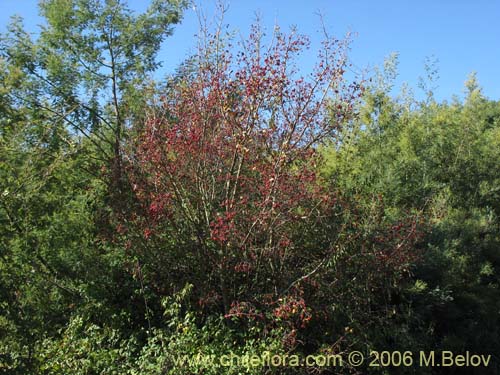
(90, 68)
(67, 99)
(439, 159)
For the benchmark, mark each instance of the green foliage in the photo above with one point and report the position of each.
(88, 71)
(66, 98)
(182, 346)
(440, 159)
(403, 257)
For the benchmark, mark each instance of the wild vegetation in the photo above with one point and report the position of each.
(240, 206)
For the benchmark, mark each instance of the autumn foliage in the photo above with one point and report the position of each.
(225, 171)
(243, 207)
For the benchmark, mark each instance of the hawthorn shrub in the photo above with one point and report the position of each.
(229, 198)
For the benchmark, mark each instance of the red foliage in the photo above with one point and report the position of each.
(232, 147)
(225, 170)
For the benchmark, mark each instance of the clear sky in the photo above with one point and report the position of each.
(464, 35)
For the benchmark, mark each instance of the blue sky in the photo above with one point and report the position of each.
(464, 35)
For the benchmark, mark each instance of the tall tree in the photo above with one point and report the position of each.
(440, 159)
(90, 66)
(225, 173)
(67, 98)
